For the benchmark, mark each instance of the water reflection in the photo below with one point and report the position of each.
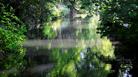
(84, 58)
(82, 62)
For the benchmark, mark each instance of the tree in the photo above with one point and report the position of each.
(11, 39)
(119, 21)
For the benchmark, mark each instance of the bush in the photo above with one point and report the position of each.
(11, 39)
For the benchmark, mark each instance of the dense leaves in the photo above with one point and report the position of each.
(119, 22)
(11, 39)
(116, 19)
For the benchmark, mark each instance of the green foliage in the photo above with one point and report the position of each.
(48, 31)
(65, 60)
(93, 59)
(38, 14)
(35, 14)
(11, 39)
(80, 62)
(119, 21)
(92, 66)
